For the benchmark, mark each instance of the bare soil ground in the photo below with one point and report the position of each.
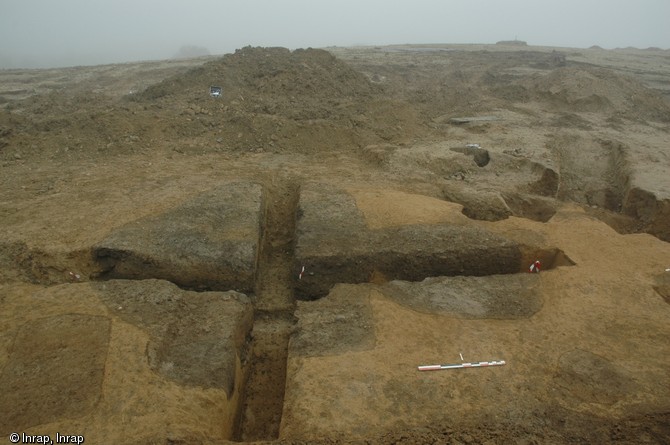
(414, 184)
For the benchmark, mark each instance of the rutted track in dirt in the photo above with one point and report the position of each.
(274, 306)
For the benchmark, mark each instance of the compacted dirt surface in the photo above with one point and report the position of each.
(273, 264)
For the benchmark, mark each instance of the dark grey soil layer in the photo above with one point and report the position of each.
(209, 242)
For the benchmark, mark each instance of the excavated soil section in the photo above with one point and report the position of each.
(274, 304)
(209, 242)
(198, 339)
(414, 184)
(336, 244)
(87, 355)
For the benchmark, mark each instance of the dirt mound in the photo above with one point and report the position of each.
(66, 126)
(260, 78)
(586, 89)
(272, 98)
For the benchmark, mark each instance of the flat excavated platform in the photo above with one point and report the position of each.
(122, 358)
(573, 362)
(210, 242)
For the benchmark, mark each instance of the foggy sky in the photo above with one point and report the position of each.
(49, 33)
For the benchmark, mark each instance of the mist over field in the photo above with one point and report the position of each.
(44, 33)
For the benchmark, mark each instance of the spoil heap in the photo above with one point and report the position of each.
(278, 100)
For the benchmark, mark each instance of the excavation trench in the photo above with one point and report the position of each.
(278, 282)
(274, 305)
(323, 272)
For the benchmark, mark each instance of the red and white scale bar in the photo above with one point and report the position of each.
(461, 365)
